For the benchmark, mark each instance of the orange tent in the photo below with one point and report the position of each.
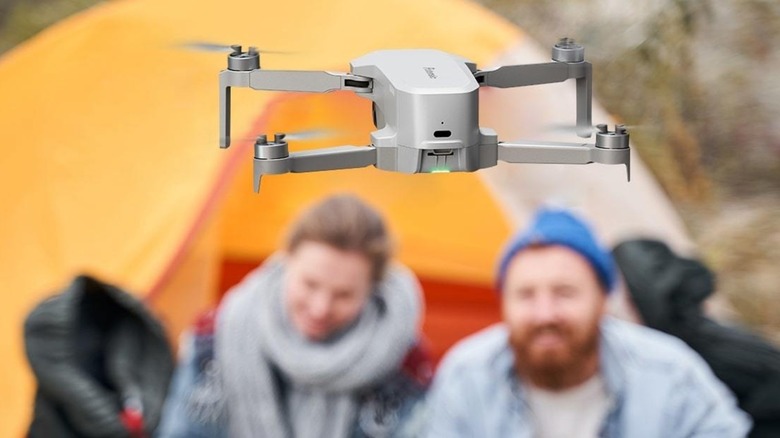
(111, 164)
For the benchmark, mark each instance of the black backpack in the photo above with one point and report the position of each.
(668, 292)
(101, 360)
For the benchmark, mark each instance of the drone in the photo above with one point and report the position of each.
(425, 109)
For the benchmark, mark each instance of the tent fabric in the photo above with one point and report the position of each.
(111, 164)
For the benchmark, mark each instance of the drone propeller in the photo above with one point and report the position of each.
(572, 129)
(205, 46)
(313, 134)
(305, 135)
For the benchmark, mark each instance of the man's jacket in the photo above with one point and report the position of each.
(658, 386)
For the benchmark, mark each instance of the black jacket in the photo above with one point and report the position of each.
(668, 291)
(101, 361)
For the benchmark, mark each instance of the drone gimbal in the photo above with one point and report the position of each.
(426, 107)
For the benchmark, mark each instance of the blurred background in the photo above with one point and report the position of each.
(166, 213)
(697, 81)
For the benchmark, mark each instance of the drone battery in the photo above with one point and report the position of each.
(425, 109)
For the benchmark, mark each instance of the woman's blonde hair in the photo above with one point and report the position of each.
(347, 223)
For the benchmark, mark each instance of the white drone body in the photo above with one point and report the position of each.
(426, 110)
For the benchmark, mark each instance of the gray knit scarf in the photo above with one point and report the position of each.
(321, 379)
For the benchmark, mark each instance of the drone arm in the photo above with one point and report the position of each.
(334, 158)
(584, 101)
(279, 80)
(562, 153)
(227, 79)
(551, 72)
(509, 76)
(308, 81)
(544, 152)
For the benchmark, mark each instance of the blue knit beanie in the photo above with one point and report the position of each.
(560, 227)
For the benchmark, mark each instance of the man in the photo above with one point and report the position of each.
(558, 367)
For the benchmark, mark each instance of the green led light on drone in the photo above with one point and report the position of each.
(440, 170)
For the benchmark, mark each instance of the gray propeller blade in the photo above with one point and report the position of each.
(205, 46)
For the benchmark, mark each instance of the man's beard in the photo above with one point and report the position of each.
(567, 365)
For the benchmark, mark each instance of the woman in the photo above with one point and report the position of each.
(321, 340)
